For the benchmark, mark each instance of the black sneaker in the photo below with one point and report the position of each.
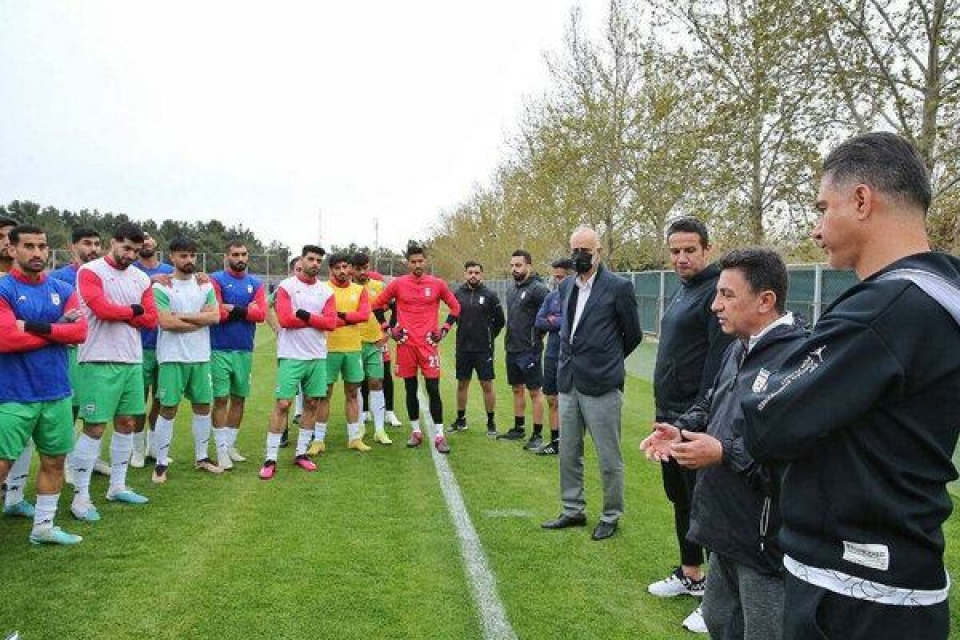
(458, 425)
(492, 431)
(534, 442)
(552, 448)
(285, 438)
(517, 433)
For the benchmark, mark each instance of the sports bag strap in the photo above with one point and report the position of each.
(946, 293)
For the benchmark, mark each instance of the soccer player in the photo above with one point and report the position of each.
(243, 303)
(150, 264)
(274, 324)
(38, 317)
(344, 355)
(524, 344)
(374, 342)
(481, 320)
(417, 296)
(306, 311)
(550, 320)
(185, 310)
(117, 302)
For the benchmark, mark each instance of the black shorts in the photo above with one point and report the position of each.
(550, 375)
(479, 361)
(526, 369)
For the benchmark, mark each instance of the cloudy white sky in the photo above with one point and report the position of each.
(267, 114)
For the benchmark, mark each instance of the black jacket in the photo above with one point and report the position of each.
(523, 302)
(480, 320)
(729, 498)
(865, 417)
(609, 330)
(691, 346)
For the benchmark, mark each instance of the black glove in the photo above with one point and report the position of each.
(41, 328)
(138, 310)
(343, 316)
(303, 315)
(434, 338)
(237, 313)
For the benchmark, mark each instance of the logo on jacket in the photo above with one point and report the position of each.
(249, 288)
(426, 292)
(55, 298)
(480, 301)
(760, 382)
(810, 364)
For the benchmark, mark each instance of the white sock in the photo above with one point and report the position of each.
(377, 405)
(162, 439)
(353, 431)
(320, 431)
(298, 405)
(415, 426)
(17, 476)
(140, 442)
(121, 444)
(439, 429)
(46, 510)
(221, 437)
(303, 441)
(233, 433)
(360, 402)
(273, 446)
(201, 436)
(84, 456)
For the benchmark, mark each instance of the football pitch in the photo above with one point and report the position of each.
(365, 548)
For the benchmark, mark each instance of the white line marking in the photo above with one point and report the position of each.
(493, 615)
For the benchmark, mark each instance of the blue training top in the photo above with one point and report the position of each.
(240, 291)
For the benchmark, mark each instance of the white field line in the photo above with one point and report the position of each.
(483, 584)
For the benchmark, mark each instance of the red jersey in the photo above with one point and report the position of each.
(418, 304)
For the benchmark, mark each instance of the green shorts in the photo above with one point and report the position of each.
(177, 380)
(74, 374)
(350, 363)
(150, 370)
(50, 424)
(232, 372)
(294, 374)
(110, 389)
(372, 361)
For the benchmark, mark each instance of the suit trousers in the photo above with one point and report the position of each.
(600, 416)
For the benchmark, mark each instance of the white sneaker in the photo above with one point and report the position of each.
(694, 622)
(391, 419)
(224, 461)
(137, 460)
(677, 584)
(101, 467)
(236, 456)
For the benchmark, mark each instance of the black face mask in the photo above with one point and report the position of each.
(582, 260)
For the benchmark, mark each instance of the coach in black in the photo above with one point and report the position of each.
(864, 415)
(481, 320)
(600, 328)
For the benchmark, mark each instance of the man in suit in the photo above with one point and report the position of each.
(600, 328)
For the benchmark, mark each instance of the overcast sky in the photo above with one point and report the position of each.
(268, 113)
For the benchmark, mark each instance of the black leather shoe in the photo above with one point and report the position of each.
(565, 521)
(604, 530)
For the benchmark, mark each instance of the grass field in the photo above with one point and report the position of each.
(365, 548)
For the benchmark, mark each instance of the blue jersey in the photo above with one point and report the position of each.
(40, 375)
(67, 273)
(240, 290)
(148, 337)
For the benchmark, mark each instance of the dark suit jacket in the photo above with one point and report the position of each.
(609, 329)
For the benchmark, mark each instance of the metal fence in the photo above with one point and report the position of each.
(812, 288)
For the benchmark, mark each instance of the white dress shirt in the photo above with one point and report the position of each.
(582, 296)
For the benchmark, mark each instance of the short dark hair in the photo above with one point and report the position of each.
(359, 259)
(292, 263)
(81, 233)
(23, 229)
(337, 258)
(562, 263)
(414, 250)
(689, 224)
(128, 231)
(182, 243)
(763, 269)
(885, 161)
(522, 253)
(7, 222)
(313, 248)
(472, 263)
(235, 242)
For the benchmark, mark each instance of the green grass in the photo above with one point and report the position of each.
(363, 549)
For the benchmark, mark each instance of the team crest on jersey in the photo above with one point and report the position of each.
(480, 301)
(523, 295)
(55, 298)
(249, 288)
(426, 292)
(760, 382)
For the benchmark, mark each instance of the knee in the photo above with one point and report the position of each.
(94, 431)
(220, 403)
(125, 424)
(283, 406)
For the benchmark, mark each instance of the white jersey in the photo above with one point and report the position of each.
(307, 343)
(111, 340)
(185, 296)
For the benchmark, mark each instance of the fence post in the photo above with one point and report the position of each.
(817, 292)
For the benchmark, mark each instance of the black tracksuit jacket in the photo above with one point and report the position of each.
(481, 318)
(523, 303)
